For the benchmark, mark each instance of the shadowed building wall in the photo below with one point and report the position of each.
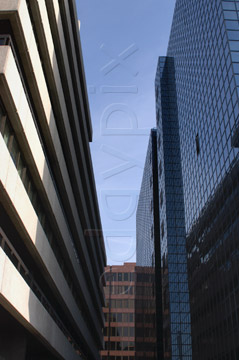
(148, 258)
(145, 314)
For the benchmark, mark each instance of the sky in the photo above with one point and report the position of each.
(121, 42)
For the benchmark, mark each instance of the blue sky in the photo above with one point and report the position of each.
(121, 41)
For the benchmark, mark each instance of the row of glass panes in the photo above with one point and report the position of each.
(119, 290)
(120, 303)
(119, 331)
(119, 317)
(113, 276)
(120, 345)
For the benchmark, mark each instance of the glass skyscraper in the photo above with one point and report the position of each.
(175, 294)
(204, 44)
(147, 216)
(148, 259)
(197, 111)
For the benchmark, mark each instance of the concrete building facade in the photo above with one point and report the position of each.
(52, 252)
(119, 332)
(130, 313)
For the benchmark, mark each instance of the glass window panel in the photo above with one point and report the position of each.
(2, 121)
(125, 331)
(119, 276)
(7, 133)
(232, 25)
(26, 180)
(20, 166)
(118, 347)
(112, 332)
(126, 276)
(125, 303)
(14, 150)
(32, 193)
(125, 317)
(236, 68)
(233, 35)
(228, 6)
(120, 331)
(119, 303)
(119, 317)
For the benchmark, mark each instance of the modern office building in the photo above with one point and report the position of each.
(145, 314)
(197, 89)
(148, 257)
(147, 217)
(52, 252)
(130, 328)
(213, 252)
(175, 294)
(119, 332)
(204, 44)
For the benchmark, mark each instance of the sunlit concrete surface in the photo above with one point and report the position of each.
(52, 249)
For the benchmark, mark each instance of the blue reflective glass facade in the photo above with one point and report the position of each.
(147, 209)
(197, 110)
(148, 257)
(206, 54)
(176, 309)
(204, 44)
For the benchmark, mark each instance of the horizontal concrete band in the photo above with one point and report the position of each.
(11, 81)
(28, 310)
